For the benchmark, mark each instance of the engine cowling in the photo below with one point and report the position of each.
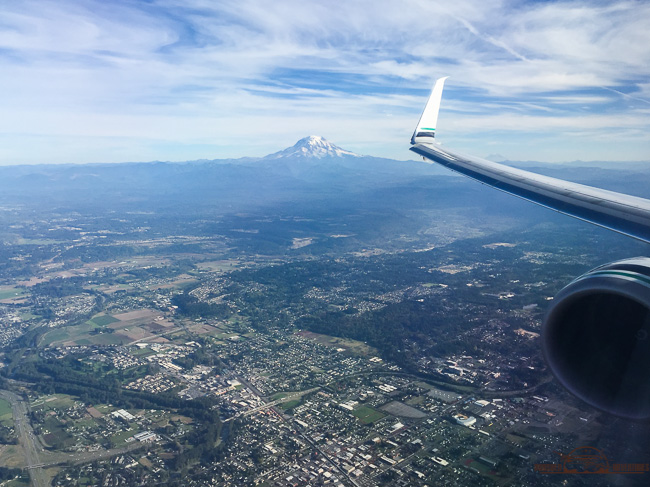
(596, 337)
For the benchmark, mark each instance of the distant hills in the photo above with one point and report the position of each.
(312, 170)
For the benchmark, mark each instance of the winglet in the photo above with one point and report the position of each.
(426, 129)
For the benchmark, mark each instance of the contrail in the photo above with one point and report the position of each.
(488, 38)
(626, 95)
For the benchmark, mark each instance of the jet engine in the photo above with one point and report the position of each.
(596, 337)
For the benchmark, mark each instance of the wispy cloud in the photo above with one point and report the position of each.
(87, 81)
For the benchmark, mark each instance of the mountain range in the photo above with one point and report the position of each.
(313, 169)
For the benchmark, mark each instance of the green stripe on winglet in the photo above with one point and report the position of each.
(426, 128)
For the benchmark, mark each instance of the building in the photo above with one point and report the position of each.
(464, 420)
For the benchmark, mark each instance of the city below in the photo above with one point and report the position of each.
(341, 331)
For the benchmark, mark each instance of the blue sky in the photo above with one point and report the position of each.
(96, 81)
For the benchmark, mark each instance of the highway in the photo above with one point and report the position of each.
(290, 397)
(26, 438)
(36, 457)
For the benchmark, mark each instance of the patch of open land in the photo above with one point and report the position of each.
(341, 344)
(118, 329)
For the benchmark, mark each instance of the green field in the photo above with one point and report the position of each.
(7, 292)
(367, 415)
(104, 408)
(142, 352)
(38, 241)
(12, 456)
(54, 433)
(352, 346)
(104, 320)
(54, 401)
(103, 339)
(66, 333)
(19, 482)
(119, 440)
(6, 416)
(80, 334)
(109, 288)
(236, 318)
(290, 404)
(414, 401)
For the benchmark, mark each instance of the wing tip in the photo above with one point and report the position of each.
(425, 132)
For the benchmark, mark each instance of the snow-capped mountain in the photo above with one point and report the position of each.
(312, 147)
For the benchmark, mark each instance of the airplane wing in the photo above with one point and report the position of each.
(622, 213)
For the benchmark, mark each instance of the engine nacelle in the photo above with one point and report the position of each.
(596, 337)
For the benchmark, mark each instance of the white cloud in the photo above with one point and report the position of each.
(199, 74)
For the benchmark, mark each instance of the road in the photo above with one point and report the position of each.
(36, 457)
(290, 397)
(26, 438)
(87, 456)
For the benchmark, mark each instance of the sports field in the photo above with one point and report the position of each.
(367, 414)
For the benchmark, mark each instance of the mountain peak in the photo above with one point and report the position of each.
(312, 147)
